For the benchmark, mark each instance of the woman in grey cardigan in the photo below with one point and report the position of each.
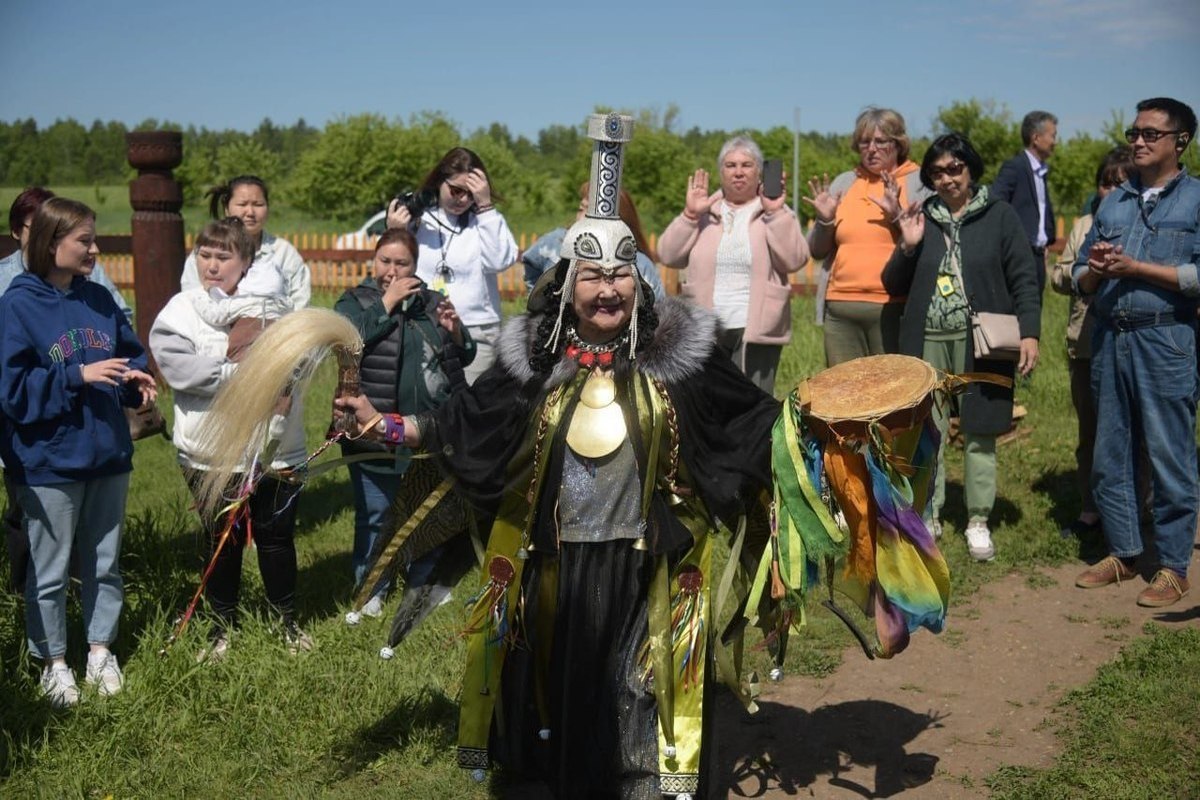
(960, 251)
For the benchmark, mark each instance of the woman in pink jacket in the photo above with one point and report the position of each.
(739, 247)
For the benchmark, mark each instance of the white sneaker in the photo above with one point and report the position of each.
(979, 542)
(58, 686)
(104, 672)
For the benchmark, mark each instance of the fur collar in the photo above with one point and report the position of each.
(683, 340)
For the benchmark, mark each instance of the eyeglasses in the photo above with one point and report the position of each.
(880, 144)
(952, 170)
(1149, 135)
(459, 192)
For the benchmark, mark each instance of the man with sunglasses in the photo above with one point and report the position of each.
(1021, 182)
(1140, 260)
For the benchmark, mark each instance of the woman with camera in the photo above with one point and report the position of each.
(464, 244)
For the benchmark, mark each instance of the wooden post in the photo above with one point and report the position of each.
(156, 198)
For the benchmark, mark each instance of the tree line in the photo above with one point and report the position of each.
(349, 168)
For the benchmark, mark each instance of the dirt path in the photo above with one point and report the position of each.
(935, 721)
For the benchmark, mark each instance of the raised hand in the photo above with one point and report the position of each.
(399, 290)
(698, 200)
(448, 318)
(771, 205)
(823, 201)
(912, 225)
(890, 201)
(397, 215)
(481, 190)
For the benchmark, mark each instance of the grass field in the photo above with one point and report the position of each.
(340, 722)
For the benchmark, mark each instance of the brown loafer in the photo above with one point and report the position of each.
(1110, 570)
(1166, 589)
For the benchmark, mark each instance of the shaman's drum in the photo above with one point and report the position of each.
(892, 391)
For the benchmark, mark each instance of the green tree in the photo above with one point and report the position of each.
(247, 156)
(990, 128)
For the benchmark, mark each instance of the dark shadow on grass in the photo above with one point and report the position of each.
(325, 585)
(1185, 615)
(1060, 488)
(426, 709)
(787, 749)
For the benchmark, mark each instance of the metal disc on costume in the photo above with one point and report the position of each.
(599, 391)
(596, 432)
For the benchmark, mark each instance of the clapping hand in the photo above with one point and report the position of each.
(823, 201)
(698, 201)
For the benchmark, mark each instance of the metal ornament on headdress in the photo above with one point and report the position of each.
(601, 237)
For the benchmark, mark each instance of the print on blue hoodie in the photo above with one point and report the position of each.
(56, 428)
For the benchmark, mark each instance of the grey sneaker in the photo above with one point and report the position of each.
(104, 673)
(374, 607)
(58, 686)
(216, 652)
(979, 541)
(297, 640)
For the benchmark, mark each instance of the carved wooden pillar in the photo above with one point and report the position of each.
(156, 198)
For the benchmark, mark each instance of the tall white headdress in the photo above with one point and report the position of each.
(601, 237)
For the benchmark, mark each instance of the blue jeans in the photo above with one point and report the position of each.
(1145, 386)
(85, 516)
(373, 496)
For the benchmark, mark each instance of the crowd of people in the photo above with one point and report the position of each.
(570, 400)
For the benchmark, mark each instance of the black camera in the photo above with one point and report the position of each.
(417, 203)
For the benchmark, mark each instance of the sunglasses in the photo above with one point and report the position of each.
(951, 170)
(458, 192)
(1149, 135)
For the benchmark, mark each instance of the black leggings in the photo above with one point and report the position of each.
(273, 526)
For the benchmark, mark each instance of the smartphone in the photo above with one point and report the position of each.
(772, 178)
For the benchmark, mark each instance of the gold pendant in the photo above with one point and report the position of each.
(598, 424)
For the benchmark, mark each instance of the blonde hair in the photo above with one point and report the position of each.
(281, 362)
(889, 122)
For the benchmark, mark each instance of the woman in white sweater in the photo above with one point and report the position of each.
(465, 243)
(190, 341)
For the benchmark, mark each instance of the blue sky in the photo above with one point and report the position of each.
(531, 64)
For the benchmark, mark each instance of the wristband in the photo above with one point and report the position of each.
(826, 224)
(689, 217)
(392, 428)
(481, 209)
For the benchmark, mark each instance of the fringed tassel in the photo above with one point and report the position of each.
(687, 626)
(567, 292)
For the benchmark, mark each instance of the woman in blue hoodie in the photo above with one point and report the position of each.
(69, 361)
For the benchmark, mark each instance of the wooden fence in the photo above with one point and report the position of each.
(336, 268)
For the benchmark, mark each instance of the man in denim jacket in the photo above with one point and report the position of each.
(1140, 260)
